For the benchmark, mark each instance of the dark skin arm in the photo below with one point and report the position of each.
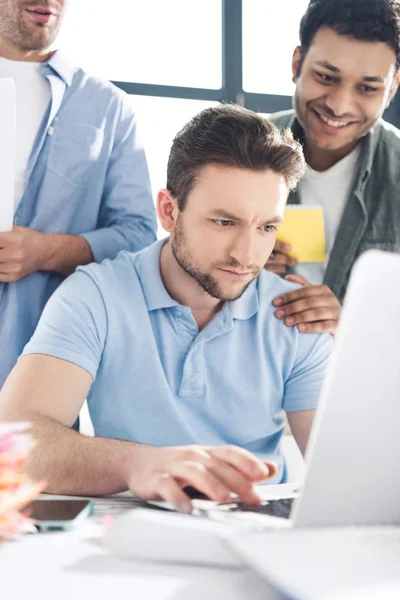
(280, 259)
(312, 308)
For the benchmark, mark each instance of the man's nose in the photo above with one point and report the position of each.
(340, 101)
(243, 249)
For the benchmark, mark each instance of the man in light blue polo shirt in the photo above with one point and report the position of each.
(187, 370)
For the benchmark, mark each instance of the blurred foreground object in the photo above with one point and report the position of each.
(16, 490)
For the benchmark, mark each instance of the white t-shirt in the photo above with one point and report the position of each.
(33, 97)
(329, 189)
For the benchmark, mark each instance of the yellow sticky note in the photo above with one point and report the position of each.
(303, 228)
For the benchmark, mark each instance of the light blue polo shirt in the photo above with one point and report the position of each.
(159, 381)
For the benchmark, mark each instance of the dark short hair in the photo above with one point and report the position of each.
(230, 135)
(366, 20)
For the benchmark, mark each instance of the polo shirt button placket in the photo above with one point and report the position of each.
(193, 377)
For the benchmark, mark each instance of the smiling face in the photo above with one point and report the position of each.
(227, 230)
(30, 25)
(343, 87)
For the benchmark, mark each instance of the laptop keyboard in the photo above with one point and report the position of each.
(274, 508)
(269, 514)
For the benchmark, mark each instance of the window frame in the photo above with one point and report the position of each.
(232, 76)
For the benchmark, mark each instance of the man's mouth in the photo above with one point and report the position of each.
(336, 123)
(237, 273)
(40, 14)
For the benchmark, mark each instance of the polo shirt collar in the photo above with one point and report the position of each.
(157, 297)
(148, 269)
(246, 306)
(60, 66)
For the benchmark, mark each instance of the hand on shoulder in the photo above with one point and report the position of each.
(312, 308)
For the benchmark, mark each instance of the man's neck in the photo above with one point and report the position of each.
(322, 160)
(11, 52)
(185, 290)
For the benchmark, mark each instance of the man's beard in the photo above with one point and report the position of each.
(185, 260)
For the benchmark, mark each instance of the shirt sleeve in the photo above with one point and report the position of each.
(127, 219)
(73, 325)
(303, 386)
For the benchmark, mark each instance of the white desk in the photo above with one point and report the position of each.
(75, 565)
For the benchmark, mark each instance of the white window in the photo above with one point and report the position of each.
(160, 120)
(270, 35)
(164, 42)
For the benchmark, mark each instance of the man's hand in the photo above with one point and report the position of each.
(24, 251)
(280, 259)
(162, 473)
(313, 308)
(21, 253)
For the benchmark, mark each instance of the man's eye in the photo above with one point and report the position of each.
(368, 89)
(224, 222)
(325, 78)
(269, 228)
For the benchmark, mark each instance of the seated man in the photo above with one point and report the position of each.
(186, 369)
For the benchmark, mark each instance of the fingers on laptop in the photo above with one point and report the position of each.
(272, 469)
(168, 489)
(242, 460)
(216, 472)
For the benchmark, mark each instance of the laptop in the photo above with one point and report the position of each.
(343, 529)
(352, 460)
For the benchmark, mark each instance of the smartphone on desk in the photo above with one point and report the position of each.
(59, 515)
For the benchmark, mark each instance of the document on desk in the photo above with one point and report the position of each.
(116, 504)
(104, 505)
(7, 151)
(357, 563)
(303, 228)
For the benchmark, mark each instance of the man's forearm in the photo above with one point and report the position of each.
(62, 253)
(74, 464)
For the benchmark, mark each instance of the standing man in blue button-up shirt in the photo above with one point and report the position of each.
(186, 368)
(82, 189)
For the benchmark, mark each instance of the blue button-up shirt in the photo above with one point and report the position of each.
(159, 381)
(87, 175)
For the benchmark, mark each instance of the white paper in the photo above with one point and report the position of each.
(7, 151)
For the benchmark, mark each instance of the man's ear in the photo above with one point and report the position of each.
(394, 87)
(167, 210)
(296, 63)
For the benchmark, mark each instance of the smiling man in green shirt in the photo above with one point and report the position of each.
(346, 71)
